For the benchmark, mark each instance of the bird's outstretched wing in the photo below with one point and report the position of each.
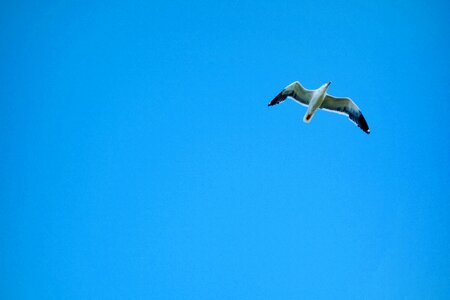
(296, 91)
(347, 107)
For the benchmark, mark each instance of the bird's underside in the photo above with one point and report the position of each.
(319, 99)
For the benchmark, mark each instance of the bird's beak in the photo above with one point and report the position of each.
(328, 83)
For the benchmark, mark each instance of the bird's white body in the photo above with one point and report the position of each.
(315, 99)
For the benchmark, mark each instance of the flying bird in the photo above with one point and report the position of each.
(315, 99)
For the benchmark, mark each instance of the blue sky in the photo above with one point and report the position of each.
(140, 160)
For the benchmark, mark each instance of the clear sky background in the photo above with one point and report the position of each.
(139, 159)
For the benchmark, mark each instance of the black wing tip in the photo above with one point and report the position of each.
(362, 123)
(278, 98)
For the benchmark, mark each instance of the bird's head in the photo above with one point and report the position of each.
(325, 85)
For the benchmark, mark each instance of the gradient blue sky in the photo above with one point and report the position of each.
(139, 159)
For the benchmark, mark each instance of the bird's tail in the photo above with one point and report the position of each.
(307, 118)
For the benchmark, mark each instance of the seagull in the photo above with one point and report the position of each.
(315, 99)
